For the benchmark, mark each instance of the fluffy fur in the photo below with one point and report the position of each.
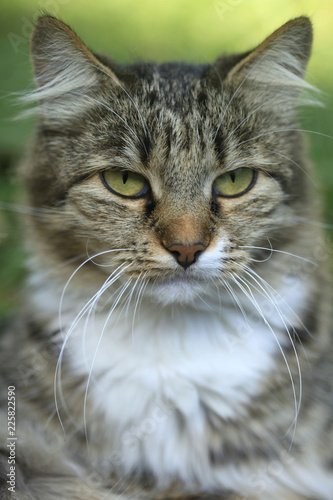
(136, 377)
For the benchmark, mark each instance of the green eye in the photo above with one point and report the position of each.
(125, 183)
(235, 183)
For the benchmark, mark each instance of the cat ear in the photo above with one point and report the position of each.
(64, 68)
(273, 72)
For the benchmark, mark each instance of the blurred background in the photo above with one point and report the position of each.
(190, 30)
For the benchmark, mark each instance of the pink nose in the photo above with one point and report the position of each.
(186, 255)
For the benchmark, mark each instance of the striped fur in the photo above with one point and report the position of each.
(137, 378)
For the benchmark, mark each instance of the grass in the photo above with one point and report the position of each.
(192, 30)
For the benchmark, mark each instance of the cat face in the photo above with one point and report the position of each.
(172, 175)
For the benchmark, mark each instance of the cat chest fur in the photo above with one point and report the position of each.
(176, 370)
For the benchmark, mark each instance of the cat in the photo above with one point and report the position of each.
(175, 337)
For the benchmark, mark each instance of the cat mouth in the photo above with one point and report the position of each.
(181, 289)
(182, 280)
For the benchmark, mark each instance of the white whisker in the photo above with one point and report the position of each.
(144, 124)
(274, 292)
(24, 209)
(229, 103)
(246, 118)
(276, 131)
(115, 303)
(111, 111)
(57, 374)
(293, 162)
(138, 300)
(248, 75)
(235, 300)
(131, 294)
(252, 299)
(106, 285)
(272, 300)
(312, 222)
(271, 249)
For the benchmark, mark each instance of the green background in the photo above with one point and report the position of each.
(191, 30)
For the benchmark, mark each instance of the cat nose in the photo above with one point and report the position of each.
(186, 255)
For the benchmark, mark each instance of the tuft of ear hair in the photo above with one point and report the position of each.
(274, 71)
(65, 70)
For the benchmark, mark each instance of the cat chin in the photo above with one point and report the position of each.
(176, 290)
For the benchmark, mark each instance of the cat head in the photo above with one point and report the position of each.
(172, 174)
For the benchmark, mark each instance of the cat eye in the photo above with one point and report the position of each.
(125, 183)
(235, 183)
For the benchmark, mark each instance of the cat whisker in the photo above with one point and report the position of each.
(249, 294)
(75, 92)
(114, 305)
(212, 307)
(127, 299)
(91, 258)
(138, 300)
(78, 269)
(89, 304)
(292, 161)
(218, 293)
(269, 295)
(235, 299)
(116, 149)
(280, 297)
(92, 308)
(273, 291)
(316, 223)
(92, 303)
(26, 210)
(235, 93)
(131, 294)
(144, 124)
(124, 490)
(87, 308)
(271, 249)
(282, 130)
(245, 119)
(69, 261)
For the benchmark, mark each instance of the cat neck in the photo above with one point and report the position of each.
(164, 375)
(156, 349)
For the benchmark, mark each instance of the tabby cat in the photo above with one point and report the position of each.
(175, 337)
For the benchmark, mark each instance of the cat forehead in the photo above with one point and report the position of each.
(169, 76)
(177, 85)
(173, 111)
(181, 103)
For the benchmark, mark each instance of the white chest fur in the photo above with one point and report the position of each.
(155, 382)
(151, 387)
